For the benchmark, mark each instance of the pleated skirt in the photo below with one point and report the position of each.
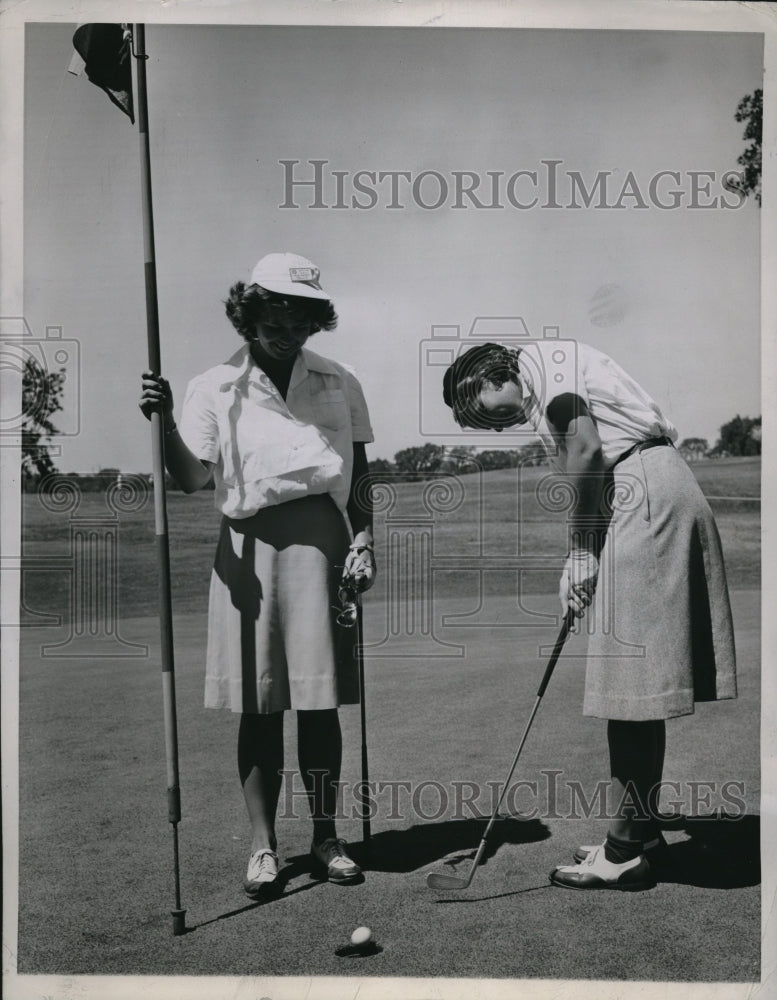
(273, 642)
(661, 635)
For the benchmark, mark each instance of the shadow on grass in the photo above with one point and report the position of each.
(720, 853)
(254, 905)
(299, 865)
(458, 898)
(403, 851)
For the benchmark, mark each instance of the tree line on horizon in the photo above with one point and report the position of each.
(739, 437)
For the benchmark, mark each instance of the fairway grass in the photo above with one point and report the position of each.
(493, 521)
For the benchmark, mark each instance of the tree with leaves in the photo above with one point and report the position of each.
(694, 448)
(750, 110)
(460, 459)
(424, 460)
(498, 458)
(740, 436)
(379, 465)
(41, 398)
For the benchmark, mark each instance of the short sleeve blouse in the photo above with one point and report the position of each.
(268, 450)
(622, 411)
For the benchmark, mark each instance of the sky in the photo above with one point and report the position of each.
(672, 293)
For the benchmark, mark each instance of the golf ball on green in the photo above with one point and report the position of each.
(361, 936)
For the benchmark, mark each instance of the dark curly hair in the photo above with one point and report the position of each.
(464, 379)
(249, 305)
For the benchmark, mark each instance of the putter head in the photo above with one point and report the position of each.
(440, 880)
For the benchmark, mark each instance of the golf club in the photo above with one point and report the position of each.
(366, 832)
(350, 615)
(442, 880)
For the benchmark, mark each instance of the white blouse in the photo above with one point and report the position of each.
(619, 407)
(268, 450)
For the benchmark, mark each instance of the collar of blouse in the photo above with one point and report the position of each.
(247, 371)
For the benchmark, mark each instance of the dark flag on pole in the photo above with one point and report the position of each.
(105, 50)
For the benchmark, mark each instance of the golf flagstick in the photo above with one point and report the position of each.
(160, 509)
(106, 53)
(366, 831)
(442, 880)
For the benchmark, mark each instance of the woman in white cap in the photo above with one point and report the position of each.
(282, 431)
(642, 538)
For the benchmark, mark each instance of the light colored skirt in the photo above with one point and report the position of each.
(661, 630)
(273, 643)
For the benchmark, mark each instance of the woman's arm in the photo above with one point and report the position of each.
(191, 473)
(569, 417)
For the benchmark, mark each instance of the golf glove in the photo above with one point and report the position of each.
(578, 581)
(360, 565)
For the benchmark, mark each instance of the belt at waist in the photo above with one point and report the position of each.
(643, 446)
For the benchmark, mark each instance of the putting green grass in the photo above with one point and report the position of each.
(95, 861)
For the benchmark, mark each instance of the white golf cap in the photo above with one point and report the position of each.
(288, 274)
